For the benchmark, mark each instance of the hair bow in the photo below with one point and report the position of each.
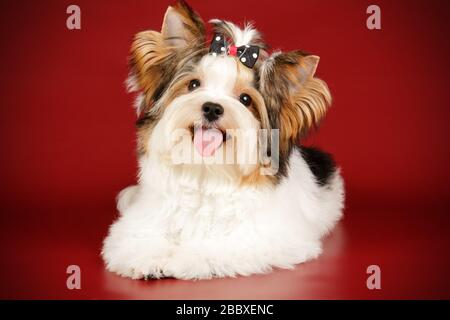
(246, 54)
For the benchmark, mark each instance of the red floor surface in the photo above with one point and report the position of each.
(67, 141)
(410, 246)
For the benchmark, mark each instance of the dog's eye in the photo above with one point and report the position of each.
(194, 84)
(245, 99)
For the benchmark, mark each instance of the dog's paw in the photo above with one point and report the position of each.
(158, 274)
(187, 266)
(135, 259)
(148, 270)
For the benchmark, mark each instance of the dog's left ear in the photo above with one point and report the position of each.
(293, 93)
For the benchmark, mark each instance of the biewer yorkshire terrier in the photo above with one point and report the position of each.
(224, 187)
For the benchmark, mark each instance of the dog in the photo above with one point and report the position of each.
(224, 186)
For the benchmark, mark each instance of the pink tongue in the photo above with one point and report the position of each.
(207, 141)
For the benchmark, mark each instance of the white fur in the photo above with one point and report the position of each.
(218, 76)
(193, 227)
(240, 36)
(198, 221)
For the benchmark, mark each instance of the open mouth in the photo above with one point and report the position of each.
(207, 139)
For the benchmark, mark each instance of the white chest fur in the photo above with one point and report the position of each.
(189, 226)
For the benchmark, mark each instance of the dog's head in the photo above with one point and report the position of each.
(202, 104)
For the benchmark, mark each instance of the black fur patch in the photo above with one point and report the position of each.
(321, 164)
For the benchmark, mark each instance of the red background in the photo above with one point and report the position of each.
(68, 145)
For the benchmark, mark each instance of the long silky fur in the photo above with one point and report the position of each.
(192, 221)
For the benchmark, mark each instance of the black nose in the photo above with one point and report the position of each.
(212, 111)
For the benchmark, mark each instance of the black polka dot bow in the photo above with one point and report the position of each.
(246, 54)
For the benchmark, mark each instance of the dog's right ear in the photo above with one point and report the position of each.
(155, 55)
(182, 26)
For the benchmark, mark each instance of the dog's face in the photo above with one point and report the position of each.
(199, 105)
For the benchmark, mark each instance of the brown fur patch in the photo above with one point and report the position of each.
(246, 84)
(194, 25)
(144, 130)
(296, 101)
(154, 59)
(256, 178)
(149, 57)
